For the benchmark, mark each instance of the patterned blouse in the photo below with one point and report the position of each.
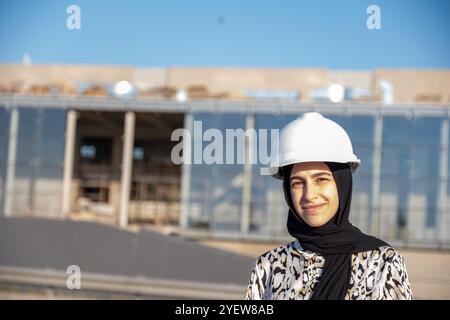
(289, 273)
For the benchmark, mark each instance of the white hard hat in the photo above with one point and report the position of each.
(312, 138)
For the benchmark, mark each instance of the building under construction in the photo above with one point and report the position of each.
(73, 146)
(95, 143)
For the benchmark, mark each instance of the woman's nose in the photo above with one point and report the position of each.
(310, 192)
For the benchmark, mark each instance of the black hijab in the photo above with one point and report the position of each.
(336, 240)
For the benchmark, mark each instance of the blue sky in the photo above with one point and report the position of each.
(313, 33)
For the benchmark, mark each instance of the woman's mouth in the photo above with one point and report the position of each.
(312, 209)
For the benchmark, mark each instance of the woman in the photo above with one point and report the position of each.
(330, 258)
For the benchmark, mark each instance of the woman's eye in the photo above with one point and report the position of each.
(322, 180)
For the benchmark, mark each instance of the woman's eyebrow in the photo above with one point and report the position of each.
(315, 175)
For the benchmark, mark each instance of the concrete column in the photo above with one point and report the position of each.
(69, 149)
(35, 163)
(376, 176)
(186, 171)
(443, 177)
(127, 166)
(247, 175)
(11, 162)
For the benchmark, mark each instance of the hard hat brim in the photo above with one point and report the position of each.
(274, 171)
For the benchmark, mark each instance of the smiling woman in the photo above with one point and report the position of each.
(314, 192)
(330, 258)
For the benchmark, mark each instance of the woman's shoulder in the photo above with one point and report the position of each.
(385, 254)
(388, 251)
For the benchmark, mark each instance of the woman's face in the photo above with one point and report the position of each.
(314, 192)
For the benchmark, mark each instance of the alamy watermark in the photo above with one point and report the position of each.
(374, 20)
(237, 146)
(73, 21)
(73, 281)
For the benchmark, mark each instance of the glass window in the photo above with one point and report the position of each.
(425, 164)
(396, 161)
(424, 196)
(360, 129)
(409, 178)
(427, 132)
(39, 162)
(216, 187)
(54, 123)
(51, 152)
(397, 131)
